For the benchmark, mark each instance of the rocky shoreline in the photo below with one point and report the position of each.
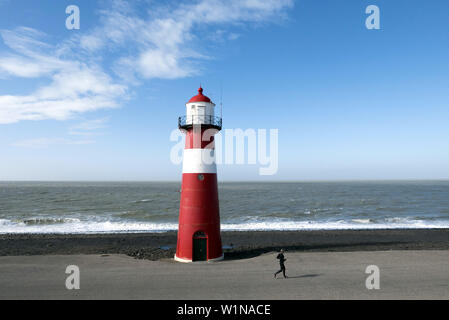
(237, 245)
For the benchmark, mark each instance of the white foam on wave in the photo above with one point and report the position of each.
(334, 225)
(361, 220)
(82, 227)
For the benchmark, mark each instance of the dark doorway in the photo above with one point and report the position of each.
(199, 246)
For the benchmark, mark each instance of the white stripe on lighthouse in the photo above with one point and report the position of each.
(199, 161)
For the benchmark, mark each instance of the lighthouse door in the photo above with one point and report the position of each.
(199, 247)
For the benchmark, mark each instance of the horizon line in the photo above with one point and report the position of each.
(248, 181)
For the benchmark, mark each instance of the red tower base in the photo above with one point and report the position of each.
(199, 236)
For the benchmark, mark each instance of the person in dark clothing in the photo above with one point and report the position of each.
(282, 260)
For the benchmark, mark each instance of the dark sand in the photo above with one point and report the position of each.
(413, 265)
(238, 245)
(407, 274)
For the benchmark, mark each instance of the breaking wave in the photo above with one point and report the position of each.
(75, 226)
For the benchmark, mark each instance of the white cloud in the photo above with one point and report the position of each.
(91, 43)
(165, 43)
(158, 64)
(89, 127)
(75, 87)
(30, 58)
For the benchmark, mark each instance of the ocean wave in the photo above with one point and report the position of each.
(335, 225)
(363, 220)
(74, 226)
(80, 227)
(143, 201)
(47, 221)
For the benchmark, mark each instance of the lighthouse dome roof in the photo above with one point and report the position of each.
(200, 97)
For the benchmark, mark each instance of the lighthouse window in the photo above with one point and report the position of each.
(200, 177)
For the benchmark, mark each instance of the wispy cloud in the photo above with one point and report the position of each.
(163, 43)
(89, 127)
(167, 44)
(74, 87)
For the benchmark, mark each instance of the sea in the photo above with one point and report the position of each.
(133, 207)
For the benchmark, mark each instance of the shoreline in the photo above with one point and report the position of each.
(236, 244)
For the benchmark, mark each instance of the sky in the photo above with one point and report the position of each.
(101, 102)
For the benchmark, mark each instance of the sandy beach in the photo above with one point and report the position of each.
(317, 275)
(321, 265)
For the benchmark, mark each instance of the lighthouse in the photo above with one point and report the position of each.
(199, 236)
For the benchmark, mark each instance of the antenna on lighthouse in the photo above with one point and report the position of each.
(221, 99)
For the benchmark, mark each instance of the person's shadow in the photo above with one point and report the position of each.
(304, 276)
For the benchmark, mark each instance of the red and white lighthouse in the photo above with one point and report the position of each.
(199, 236)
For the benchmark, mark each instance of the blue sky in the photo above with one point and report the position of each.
(100, 103)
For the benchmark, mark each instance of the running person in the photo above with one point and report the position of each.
(282, 259)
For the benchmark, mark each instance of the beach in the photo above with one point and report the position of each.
(313, 275)
(321, 265)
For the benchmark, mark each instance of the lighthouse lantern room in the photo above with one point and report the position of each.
(199, 236)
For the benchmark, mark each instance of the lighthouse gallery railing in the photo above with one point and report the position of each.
(186, 122)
